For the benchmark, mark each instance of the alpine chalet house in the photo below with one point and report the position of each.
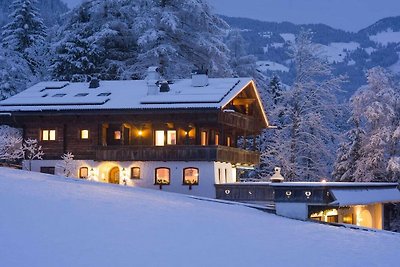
(180, 136)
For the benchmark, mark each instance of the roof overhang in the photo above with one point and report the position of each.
(351, 197)
(258, 98)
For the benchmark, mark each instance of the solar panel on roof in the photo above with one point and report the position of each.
(56, 86)
(81, 94)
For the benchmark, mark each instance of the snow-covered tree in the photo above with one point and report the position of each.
(242, 64)
(67, 166)
(97, 40)
(178, 36)
(31, 151)
(25, 33)
(309, 111)
(10, 144)
(15, 74)
(348, 154)
(377, 108)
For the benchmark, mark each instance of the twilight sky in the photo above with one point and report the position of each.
(351, 15)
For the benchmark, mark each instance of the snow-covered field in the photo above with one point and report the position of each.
(336, 52)
(386, 37)
(266, 65)
(54, 221)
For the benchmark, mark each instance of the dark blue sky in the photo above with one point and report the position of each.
(351, 15)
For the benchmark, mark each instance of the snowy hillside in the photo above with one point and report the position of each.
(55, 221)
(350, 53)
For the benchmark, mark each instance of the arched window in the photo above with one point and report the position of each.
(83, 172)
(135, 173)
(162, 176)
(190, 176)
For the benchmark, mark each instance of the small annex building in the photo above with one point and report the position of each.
(180, 136)
(361, 204)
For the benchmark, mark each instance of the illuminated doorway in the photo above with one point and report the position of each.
(113, 177)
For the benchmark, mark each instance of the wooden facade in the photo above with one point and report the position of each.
(136, 140)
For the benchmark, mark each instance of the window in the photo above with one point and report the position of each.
(104, 94)
(48, 170)
(45, 95)
(84, 134)
(190, 176)
(59, 95)
(219, 176)
(203, 137)
(228, 141)
(117, 135)
(83, 172)
(162, 176)
(216, 139)
(81, 94)
(171, 137)
(48, 135)
(135, 173)
(160, 138)
(226, 176)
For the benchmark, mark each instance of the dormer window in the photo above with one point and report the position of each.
(81, 94)
(59, 95)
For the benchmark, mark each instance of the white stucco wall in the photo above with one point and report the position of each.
(208, 173)
(292, 210)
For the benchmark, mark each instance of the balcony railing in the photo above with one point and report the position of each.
(177, 153)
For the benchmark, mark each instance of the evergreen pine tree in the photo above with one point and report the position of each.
(348, 154)
(25, 33)
(178, 36)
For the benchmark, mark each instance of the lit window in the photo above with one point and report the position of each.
(117, 135)
(59, 95)
(160, 138)
(228, 141)
(216, 139)
(83, 172)
(171, 137)
(162, 176)
(135, 173)
(84, 134)
(48, 135)
(190, 176)
(203, 137)
(81, 94)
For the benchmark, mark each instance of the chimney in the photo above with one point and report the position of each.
(199, 78)
(277, 177)
(94, 83)
(164, 87)
(152, 80)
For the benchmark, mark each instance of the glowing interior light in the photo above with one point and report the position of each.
(323, 181)
(140, 133)
(84, 134)
(160, 139)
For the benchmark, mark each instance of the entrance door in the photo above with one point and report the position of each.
(114, 176)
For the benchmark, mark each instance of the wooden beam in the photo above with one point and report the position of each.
(243, 101)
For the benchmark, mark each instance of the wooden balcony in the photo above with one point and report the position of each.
(177, 153)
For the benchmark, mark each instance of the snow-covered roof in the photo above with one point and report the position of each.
(345, 197)
(128, 94)
(334, 184)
